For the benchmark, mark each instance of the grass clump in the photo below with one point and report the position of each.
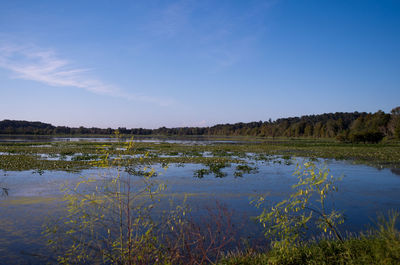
(378, 247)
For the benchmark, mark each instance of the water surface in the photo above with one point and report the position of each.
(34, 196)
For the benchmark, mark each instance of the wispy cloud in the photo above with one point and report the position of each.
(32, 63)
(219, 36)
(171, 20)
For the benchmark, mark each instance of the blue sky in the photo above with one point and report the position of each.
(195, 63)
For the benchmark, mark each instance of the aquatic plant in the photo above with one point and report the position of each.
(25, 156)
(244, 169)
(200, 173)
(214, 167)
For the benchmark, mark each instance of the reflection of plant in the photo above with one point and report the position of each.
(287, 220)
(201, 241)
(4, 191)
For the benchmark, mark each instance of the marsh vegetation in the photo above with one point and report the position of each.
(75, 155)
(188, 202)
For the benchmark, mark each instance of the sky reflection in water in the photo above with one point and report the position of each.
(363, 192)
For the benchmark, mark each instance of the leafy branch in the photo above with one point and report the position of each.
(287, 221)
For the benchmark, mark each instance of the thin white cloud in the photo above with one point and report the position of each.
(31, 63)
(222, 40)
(171, 20)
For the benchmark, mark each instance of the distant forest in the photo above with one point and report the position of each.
(346, 127)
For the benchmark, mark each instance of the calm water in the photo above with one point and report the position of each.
(363, 192)
(189, 141)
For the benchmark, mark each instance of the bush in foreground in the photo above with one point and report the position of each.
(380, 246)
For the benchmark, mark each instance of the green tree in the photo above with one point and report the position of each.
(394, 126)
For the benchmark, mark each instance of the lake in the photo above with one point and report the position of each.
(34, 196)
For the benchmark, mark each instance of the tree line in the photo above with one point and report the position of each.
(344, 126)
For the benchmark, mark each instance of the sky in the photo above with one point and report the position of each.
(195, 63)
